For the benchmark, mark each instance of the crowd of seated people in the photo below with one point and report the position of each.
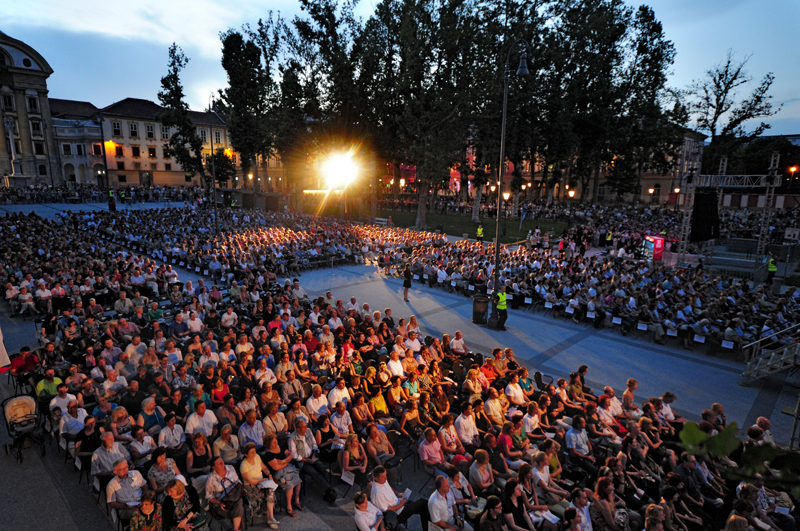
(170, 410)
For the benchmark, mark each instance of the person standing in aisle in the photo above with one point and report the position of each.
(406, 281)
(501, 304)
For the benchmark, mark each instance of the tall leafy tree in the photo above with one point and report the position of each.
(719, 110)
(185, 143)
(245, 99)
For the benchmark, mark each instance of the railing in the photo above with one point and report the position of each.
(782, 334)
(773, 361)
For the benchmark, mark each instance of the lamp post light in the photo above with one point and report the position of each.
(522, 70)
(506, 196)
(571, 194)
(650, 192)
(793, 169)
(677, 192)
(340, 170)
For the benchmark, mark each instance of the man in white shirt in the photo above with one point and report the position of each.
(413, 343)
(580, 502)
(202, 421)
(317, 404)
(352, 305)
(229, 318)
(339, 394)
(441, 507)
(395, 366)
(172, 436)
(341, 422)
(494, 408)
(467, 430)
(457, 345)
(195, 324)
(392, 503)
(367, 516)
(614, 404)
(125, 490)
(62, 399)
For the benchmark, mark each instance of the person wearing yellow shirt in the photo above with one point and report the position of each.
(501, 305)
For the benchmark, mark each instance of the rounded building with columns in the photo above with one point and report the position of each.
(28, 153)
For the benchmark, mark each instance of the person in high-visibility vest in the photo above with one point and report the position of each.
(479, 234)
(501, 305)
(233, 203)
(609, 235)
(772, 268)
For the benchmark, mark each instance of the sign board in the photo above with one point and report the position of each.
(792, 234)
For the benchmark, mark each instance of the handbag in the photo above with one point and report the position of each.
(233, 494)
(198, 521)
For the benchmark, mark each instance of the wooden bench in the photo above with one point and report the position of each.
(383, 222)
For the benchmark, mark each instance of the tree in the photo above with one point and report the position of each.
(185, 144)
(718, 111)
(245, 99)
(223, 166)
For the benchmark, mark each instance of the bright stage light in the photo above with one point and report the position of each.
(339, 170)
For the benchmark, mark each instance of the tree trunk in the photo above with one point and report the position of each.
(596, 186)
(476, 205)
(422, 191)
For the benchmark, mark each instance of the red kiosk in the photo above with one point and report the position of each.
(654, 248)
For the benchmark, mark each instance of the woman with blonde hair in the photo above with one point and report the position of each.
(354, 459)
(472, 385)
(122, 424)
(737, 523)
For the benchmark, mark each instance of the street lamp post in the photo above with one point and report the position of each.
(571, 194)
(677, 192)
(213, 165)
(650, 191)
(522, 70)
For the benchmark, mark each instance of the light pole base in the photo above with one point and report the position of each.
(493, 320)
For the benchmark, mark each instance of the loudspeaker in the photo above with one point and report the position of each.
(705, 215)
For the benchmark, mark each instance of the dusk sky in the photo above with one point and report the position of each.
(104, 52)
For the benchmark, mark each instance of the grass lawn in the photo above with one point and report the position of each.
(456, 225)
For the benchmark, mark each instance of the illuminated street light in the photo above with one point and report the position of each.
(402, 183)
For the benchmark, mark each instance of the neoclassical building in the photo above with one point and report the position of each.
(28, 153)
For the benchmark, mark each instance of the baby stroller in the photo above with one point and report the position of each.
(22, 423)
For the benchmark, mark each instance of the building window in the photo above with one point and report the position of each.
(188, 178)
(122, 178)
(66, 149)
(134, 129)
(203, 136)
(151, 131)
(36, 128)
(153, 166)
(79, 150)
(42, 169)
(33, 104)
(151, 152)
(167, 152)
(137, 166)
(168, 167)
(217, 137)
(38, 148)
(8, 102)
(120, 151)
(3, 59)
(120, 165)
(116, 129)
(135, 152)
(233, 158)
(164, 132)
(97, 150)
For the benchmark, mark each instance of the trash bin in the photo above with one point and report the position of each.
(776, 285)
(480, 307)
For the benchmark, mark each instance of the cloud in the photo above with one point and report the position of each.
(193, 25)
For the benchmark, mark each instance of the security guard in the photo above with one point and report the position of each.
(501, 305)
(233, 203)
(609, 236)
(479, 234)
(772, 268)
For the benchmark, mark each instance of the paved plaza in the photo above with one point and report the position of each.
(44, 494)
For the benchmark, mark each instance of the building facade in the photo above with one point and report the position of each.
(136, 144)
(28, 152)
